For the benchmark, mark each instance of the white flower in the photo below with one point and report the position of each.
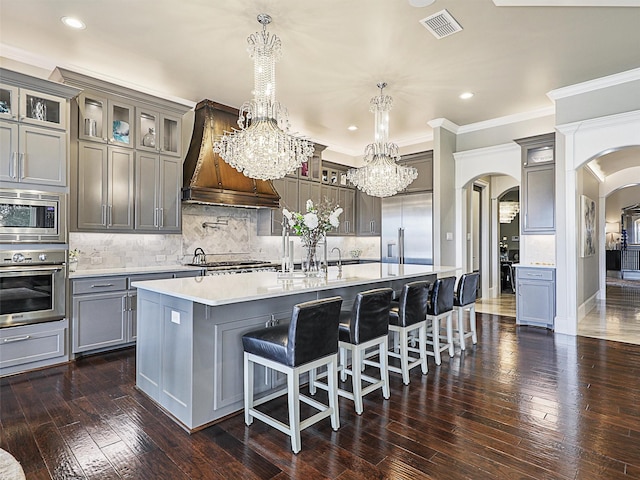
(311, 220)
(309, 205)
(333, 220)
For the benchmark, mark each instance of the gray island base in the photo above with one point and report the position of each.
(189, 349)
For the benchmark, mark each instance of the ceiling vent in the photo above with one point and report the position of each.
(441, 24)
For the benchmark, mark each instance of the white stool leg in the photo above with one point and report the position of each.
(356, 379)
(312, 381)
(450, 333)
(332, 382)
(435, 326)
(293, 384)
(472, 323)
(404, 355)
(343, 364)
(422, 346)
(384, 368)
(248, 390)
(460, 317)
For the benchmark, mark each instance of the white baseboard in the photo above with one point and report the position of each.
(588, 305)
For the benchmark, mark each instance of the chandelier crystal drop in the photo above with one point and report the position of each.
(381, 175)
(263, 148)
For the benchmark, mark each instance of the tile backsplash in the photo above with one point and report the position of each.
(225, 233)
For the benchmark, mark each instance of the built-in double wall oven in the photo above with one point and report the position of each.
(33, 256)
(30, 216)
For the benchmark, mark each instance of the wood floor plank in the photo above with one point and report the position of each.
(523, 403)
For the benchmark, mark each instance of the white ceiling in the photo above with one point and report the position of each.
(334, 53)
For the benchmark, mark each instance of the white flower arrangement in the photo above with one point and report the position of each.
(315, 222)
(74, 254)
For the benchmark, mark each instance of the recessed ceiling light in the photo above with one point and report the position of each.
(466, 95)
(73, 23)
(352, 128)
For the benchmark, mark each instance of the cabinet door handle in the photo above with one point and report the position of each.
(102, 285)
(110, 215)
(103, 210)
(124, 304)
(161, 222)
(12, 165)
(16, 339)
(22, 165)
(372, 226)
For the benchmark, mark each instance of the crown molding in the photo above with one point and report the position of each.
(567, 3)
(593, 85)
(508, 119)
(444, 123)
(483, 152)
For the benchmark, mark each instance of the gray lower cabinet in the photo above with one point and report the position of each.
(157, 194)
(536, 296)
(33, 346)
(104, 310)
(99, 313)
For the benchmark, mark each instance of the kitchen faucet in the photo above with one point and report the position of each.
(339, 259)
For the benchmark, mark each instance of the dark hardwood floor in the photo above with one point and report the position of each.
(524, 403)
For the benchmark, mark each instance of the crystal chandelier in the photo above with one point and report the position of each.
(263, 148)
(508, 211)
(381, 176)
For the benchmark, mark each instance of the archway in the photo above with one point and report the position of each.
(577, 144)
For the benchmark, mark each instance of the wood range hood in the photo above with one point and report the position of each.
(207, 178)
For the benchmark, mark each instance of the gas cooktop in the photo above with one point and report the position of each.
(234, 264)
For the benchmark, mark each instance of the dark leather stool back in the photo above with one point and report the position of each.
(311, 334)
(467, 288)
(313, 331)
(412, 304)
(441, 298)
(370, 315)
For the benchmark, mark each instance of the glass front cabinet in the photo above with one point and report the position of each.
(157, 132)
(8, 102)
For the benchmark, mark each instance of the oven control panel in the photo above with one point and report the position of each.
(32, 257)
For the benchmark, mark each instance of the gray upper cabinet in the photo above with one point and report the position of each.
(33, 130)
(369, 214)
(157, 199)
(347, 200)
(537, 197)
(33, 155)
(105, 187)
(158, 132)
(423, 162)
(143, 195)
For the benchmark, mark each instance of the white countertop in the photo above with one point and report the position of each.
(533, 265)
(131, 270)
(228, 289)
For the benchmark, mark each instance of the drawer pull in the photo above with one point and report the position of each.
(16, 339)
(102, 285)
(534, 274)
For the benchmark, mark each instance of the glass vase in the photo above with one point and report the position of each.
(310, 264)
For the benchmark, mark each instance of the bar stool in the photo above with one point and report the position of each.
(465, 299)
(309, 341)
(408, 316)
(365, 326)
(440, 307)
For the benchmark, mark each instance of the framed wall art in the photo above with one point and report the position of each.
(587, 226)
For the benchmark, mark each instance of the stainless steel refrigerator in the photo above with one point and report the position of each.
(407, 229)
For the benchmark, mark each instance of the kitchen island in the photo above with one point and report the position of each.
(189, 348)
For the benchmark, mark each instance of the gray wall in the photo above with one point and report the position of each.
(588, 267)
(606, 101)
(500, 135)
(444, 195)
